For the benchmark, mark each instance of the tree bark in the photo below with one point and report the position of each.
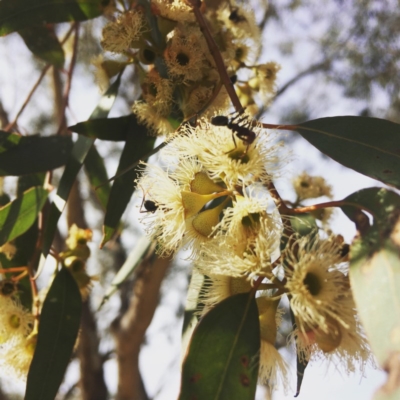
(129, 329)
(92, 384)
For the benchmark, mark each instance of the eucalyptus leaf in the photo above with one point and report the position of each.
(19, 14)
(114, 129)
(375, 270)
(30, 154)
(58, 329)
(222, 359)
(43, 43)
(138, 144)
(76, 159)
(370, 146)
(19, 215)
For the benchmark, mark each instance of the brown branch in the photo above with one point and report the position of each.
(27, 100)
(35, 86)
(63, 122)
(129, 328)
(92, 382)
(216, 54)
(4, 121)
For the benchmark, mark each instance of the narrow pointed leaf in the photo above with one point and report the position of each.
(19, 14)
(375, 271)
(222, 359)
(43, 43)
(19, 215)
(370, 146)
(114, 129)
(137, 145)
(97, 174)
(30, 154)
(58, 330)
(75, 161)
(301, 359)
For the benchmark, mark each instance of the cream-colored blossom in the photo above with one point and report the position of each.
(148, 116)
(16, 355)
(316, 284)
(167, 223)
(264, 81)
(157, 92)
(245, 242)
(120, 35)
(9, 250)
(184, 56)
(220, 287)
(273, 368)
(175, 10)
(78, 237)
(214, 146)
(15, 320)
(347, 348)
(310, 187)
(239, 21)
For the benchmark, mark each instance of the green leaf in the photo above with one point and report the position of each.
(375, 269)
(222, 360)
(26, 243)
(304, 224)
(77, 158)
(114, 129)
(370, 146)
(58, 329)
(97, 174)
(198, 284)
(43, 43)
(301, 358)
(19, 215)
(30, 154)
(137, 145)
(8, 140)
(19, 14)
(74, 164)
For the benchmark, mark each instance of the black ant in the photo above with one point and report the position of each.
(149, 205)
(243, 132)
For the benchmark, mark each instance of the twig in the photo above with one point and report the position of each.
(62, 125)
(35, 86)
(216, 54)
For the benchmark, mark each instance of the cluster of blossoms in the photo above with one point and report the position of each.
(211, 198)
(211, 194)
(178, 75)
(75, 258)
(17, 336)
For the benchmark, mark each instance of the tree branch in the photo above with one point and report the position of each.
(92, 384)
(323, 65)
(129, 329)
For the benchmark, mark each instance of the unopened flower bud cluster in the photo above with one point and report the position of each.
(178, 75)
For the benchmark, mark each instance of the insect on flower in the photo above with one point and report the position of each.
(243, 132)
(149, 205)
